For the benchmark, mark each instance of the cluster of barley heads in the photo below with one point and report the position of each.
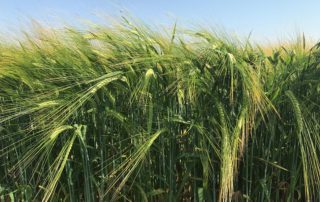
(126, 113)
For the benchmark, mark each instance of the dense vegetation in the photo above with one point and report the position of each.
(125, 113)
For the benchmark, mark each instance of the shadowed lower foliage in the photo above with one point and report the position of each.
(123, 113)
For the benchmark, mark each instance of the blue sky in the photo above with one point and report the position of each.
(267, 20)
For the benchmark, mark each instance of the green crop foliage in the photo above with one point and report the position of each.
(126, 113)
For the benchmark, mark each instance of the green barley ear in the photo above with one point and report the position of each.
(297, 111)
(308, 149)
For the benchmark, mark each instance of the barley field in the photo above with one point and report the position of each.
(127, 113)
